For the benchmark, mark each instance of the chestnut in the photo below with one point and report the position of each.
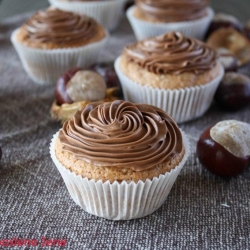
(233, 92)
(80, 85)
(222, 20)
(224, 149)
(246, 29)
(227, 59)
(107, 71)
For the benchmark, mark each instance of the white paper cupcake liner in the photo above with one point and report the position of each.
(108, 13)
(44, 66)
(182, 104)
(144, 29)
(119, 201)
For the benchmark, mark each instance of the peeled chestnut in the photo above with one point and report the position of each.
(233, 92)
(224, 149)
(227, 59)
(78, 85)
(222, 20)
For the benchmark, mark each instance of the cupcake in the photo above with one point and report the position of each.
(106, 12)
(53, 41)
(151, 18)
(175, 73)
(119, 160)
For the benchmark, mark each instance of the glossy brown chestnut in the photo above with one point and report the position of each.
(222, 20)
(233, 92)
(60, 89)
(217, 159)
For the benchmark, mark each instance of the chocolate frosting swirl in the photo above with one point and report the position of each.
(59, 27)
(172, 10)
(172, 53)
(121, 134)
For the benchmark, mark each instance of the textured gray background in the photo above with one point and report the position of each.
(202, 211)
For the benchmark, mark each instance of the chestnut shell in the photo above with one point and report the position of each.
(232, 97)
(217, 159)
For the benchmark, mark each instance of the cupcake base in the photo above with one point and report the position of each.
(145, 29)
(182, 104)
(119, 201)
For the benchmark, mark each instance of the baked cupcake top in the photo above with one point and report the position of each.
(172, 10)
(122, 134)
(60, 29)
(172, 53)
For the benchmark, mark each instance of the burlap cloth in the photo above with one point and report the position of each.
(202, 211)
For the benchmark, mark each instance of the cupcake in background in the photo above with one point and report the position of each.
(53, 41)
(151, 18)
(173, 72)
(106, 12)
(119, 160)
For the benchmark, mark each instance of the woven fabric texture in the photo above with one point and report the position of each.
(202, 211)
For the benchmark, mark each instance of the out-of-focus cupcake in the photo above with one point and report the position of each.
(151, 18)
(119, 160)
(106, 12)
(53, 41)
(175, 73)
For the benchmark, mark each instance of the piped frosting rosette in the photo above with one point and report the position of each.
(55, 27)
(147, 135)
(150, 18)
(106, 12)
(125, 135)
(171, 54)
(52, 41)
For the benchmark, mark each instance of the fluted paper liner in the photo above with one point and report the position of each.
(182, 104)
(145, 29)
(44, 66)
(108, 12)
(119, 201)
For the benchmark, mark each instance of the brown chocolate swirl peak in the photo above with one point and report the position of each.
(59, 27)
(172, 10)
(172, 53)
(122, 134)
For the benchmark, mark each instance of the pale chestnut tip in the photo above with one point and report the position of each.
(79, 85)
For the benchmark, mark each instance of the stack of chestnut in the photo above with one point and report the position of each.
(224, 149)
(231, 39)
